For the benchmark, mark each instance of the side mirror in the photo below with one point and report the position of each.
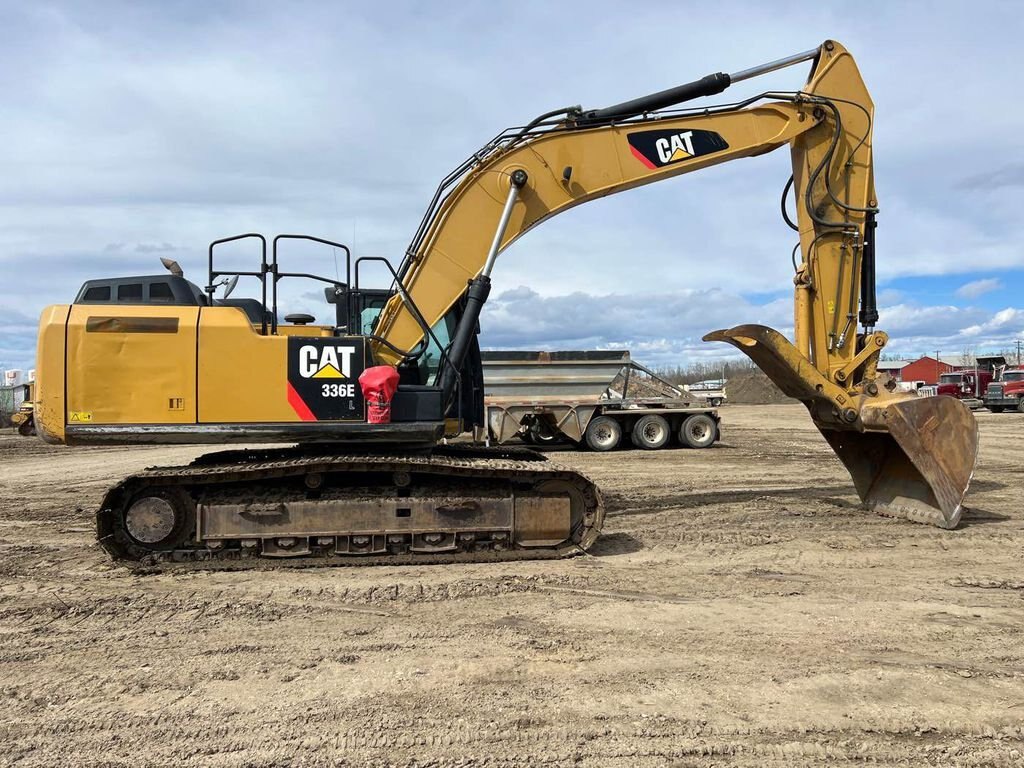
(230, 286)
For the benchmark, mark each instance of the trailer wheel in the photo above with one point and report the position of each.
(603, 433)
(996, 408)
(715, 402)
(698, 431)
(651, 432)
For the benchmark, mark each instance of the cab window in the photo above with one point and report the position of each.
(97, 293)
(431, 360)
(130, 292)
(160, 293)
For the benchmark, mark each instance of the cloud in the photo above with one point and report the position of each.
(1007, 176)
(887, 296)
(666, 328)
(523, 318)
(131, 130)
(1007, 321)
(976, 288)
(918, 329)
(18, 333)
(155, 248)
(911, 320)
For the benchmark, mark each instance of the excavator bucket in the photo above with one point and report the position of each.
(919, 467)
(910, 457)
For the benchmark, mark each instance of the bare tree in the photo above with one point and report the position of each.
(693, 372)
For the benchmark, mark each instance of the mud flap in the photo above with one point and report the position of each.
(912, 457)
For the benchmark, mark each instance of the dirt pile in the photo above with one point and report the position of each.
(754, 388)
(642, 386)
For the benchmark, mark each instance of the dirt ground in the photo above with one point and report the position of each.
(741, 610)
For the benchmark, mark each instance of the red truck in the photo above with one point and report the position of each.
(968, 386)
(1006, 393)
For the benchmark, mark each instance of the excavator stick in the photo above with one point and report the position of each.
(910, 457)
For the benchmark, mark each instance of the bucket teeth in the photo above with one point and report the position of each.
(909, 457)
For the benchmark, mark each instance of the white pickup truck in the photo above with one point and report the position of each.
(712, 390)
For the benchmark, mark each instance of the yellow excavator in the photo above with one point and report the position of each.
(157, 359)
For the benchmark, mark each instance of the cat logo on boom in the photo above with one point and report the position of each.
(656, 149)
(678, 146)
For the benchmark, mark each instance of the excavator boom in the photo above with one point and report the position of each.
(909, 457)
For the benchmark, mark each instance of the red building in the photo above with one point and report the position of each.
(927, 369)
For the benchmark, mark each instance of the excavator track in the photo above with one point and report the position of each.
(309, 507)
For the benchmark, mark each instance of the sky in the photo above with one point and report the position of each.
(134, 130)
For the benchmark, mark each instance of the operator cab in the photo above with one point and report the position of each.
(166, 290)
(145, 289)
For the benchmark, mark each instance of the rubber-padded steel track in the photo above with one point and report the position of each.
(235, 470)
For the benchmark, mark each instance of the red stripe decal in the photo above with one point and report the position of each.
(641, 158)
(298, 405)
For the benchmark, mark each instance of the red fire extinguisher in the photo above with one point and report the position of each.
(379, 384)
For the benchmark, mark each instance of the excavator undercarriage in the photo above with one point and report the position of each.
(451, 504)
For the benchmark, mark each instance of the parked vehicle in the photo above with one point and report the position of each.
(591, 399)
(968, 386)
(24, 418)
(917, 387)
(1007, 392)
(711, 390)
(16, 404)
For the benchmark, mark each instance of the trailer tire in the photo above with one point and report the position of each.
(603, 434)
(996, 408)
(715, 402)
(698, 431)
(651, 432)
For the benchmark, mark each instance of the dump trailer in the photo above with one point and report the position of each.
(591, 399)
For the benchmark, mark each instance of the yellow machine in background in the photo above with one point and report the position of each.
(157, 359)
(23, 419)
